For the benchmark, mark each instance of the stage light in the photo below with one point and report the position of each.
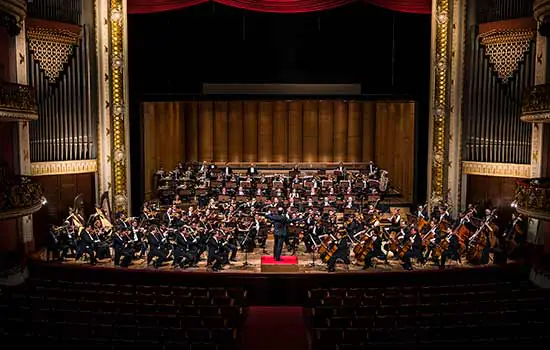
(44, 201)
(514, 204)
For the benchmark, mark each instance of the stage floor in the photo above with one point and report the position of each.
(254, 261)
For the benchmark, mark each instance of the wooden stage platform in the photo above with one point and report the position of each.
(306, 264)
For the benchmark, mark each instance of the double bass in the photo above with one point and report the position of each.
(327, 248)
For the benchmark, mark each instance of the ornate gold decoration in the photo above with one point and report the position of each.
(522, 171)
(12, 14)
(506, 49)
(440, 103)
(17, 102)
(536, 105)
(19, 195)
(64, 168)
(118, 104)
(533, 198)
(51, 44)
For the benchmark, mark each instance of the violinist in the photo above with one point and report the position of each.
(349, 203)
(395, 220)
(415, 250)
(121, 223)
(86, 244)
(421, 213)
(342, 252)
(216, 251)
(452, 252)
(122, 247)
(185, 252)
(155, 240)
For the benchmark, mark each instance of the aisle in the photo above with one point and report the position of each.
(275, 328)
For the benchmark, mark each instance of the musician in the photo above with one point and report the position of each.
(177, 200)
(122, 249)
(349, 203)
(86, 245)
(156, 249)
(443, 215)
(54, 244)
(121, 222)
(452, 252)
(227, 171)
(342, 252)
(280, 223)
(434, 236)
(326, 202)
(376, 251)
(415, 251)
(216, 251)
(185, 250)
(341, 168)
(74, 218)
(252, 170)
(395, 220)
(421, 213)
(372, 170)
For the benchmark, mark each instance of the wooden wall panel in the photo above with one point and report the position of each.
(326, 126)
(295, 137)
(60, 192)
(492, 192)
(340, 130)
(206, 131)
(396, 153)
(235, 141)
(280, 132)
(251, 109)
(220, 131)
(310, 152)
(369, 129)
(354, 129)
(191, 110)
(265, 132)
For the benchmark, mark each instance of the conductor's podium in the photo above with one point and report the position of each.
(286, 264)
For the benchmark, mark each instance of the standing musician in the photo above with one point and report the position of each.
(280, 223)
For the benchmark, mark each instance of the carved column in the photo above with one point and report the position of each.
(113, 133)
(24, 223)
(440, 104)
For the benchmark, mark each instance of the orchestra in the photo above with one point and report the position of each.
(334, 215)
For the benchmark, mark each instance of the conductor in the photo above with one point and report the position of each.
(280, 223)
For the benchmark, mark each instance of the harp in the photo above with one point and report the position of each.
(104, 211)
(78, 214)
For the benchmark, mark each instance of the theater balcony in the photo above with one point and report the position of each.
(17, 103)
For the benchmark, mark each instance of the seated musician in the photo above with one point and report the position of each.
(434, 236)
(349, 203)
(252, 170)
(227, 171)
(443, 214)
(372, 170)
(121, 223)
(313, 191)
(54, 246)
(421, 213)
(395, 220)
(341, 168)
(136, 236)
(215, 251)
(177, 200)
(185, 252)
(452, 252)
(404, 231)
(122, 247)
(342, 252)
(154, 239)
(86, 244)
(376, 251)
(326, 202)
(415, 251)
(294, 194)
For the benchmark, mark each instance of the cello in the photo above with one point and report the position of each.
(363, 247)
(327, 248)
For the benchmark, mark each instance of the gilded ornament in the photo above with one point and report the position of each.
(119, 155)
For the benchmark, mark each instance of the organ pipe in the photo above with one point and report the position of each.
(66, 127)
(492, 129)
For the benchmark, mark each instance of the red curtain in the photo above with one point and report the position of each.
(278, 6)
(422, 7)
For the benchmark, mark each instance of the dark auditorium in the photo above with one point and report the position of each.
(274, 174)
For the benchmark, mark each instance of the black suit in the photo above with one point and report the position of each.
(122, 251)
(252, 171)
(280, 224)
(86, 245)
(215, 253)
(227, 171)
(155, 250)
(452, 251)
(414, 252)
(184, 251)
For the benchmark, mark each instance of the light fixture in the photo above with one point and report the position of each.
(44, 201)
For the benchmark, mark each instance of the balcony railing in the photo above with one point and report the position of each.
(17, 102)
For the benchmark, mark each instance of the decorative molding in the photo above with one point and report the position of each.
(536, 105)
(522, 171)
(20, 212)
(51, 44)
(64, 168)
(506, 49)
(440, 105)
(7, 115)
(118, 108)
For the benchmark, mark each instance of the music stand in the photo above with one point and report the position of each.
(244, 245)
(314, 245)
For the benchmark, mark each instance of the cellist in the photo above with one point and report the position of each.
(376, 251)
(342, 252)
(452, 250)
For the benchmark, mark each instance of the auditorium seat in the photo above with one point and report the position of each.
(432, 316)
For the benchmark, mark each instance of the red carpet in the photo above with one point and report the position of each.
(285, 260)
(275, 328)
